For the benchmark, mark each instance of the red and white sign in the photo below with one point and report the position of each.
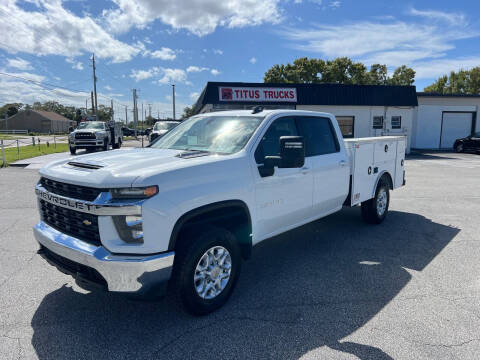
(257, 94)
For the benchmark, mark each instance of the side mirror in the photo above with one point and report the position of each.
(292, 155)
(70, 129)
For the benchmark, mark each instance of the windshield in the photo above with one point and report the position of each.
(218, 134)
(164, 125)
(91, 125)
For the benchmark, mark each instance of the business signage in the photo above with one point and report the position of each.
(257, 94)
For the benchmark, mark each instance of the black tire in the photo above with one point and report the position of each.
(105, 145)
(370, 208)
(459, 147)
(119, 144)
(73, 151)
(188, 255)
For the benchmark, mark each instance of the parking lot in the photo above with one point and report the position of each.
(336, 288)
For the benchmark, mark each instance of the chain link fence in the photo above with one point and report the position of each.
(23, 148)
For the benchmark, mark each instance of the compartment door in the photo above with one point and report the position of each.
(363, 176)
(399, 168)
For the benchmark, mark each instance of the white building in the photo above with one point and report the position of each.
(361, 110)
(429, 121)
(441, 119)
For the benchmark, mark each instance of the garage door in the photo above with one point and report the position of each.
(454, 126)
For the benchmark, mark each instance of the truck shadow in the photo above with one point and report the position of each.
(308, 288)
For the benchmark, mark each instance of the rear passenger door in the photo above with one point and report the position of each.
(329, 165)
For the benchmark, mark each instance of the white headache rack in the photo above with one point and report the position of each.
(370, 158)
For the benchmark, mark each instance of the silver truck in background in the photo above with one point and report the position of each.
(95, 135)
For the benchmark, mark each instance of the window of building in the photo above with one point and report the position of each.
(270, 144)
(378, 122)
(396, 122)
(346, 125)
(318, 134)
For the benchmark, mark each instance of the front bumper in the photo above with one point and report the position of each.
(122, 273)
(80, 143)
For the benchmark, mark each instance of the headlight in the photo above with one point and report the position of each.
(134, 192)
(129, 228)
(100, 135)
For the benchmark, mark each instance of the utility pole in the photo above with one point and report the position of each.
(111, 109)
(143, 119)
(149, 111)
(95, 86)
(93, 104)
(126, 115)
(135, 111)
(173, 100)
(86, 106)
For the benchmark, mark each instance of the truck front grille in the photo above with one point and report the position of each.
(74, 223)
(71, 191)
(84, 135)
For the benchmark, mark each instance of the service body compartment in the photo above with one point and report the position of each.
(370, 158)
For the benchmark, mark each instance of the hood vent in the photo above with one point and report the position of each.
(193, 154)
(85, 166)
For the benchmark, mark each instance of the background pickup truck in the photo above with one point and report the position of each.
(93, 135)
(189, 208)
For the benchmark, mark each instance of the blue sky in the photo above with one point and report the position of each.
(150, 44)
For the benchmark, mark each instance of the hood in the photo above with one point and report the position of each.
(119, 168)
(88, 130)
(159, 132)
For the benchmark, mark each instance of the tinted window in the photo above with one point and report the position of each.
(319, 136)
(270, 144)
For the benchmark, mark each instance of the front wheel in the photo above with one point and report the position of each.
(206, 270)
(375, 210)
(73, 150)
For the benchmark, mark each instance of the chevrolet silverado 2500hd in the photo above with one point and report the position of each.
(188, 209)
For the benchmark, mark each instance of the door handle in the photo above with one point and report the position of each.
(343, 163)
(305, 169)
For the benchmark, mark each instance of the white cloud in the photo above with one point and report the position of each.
(107, 87)
(450, 17)
(19, 64)
(253, 60)
(77, 66)
(164, 54)
(140, 75)
(437, 68)
(198, 17)
(335, 4)
(215, 72)
(195, 69)
(393, 42)
(172, 76)
(194, 96)
(52, 30)
(218, 52)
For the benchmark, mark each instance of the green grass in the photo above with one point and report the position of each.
(10, 137)
(29, 151)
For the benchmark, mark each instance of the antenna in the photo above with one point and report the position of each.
(257, 109)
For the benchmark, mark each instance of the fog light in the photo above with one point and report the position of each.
(129, 228)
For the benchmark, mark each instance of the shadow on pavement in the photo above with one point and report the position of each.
(305, 289)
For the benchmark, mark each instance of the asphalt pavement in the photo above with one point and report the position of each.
(336, 288)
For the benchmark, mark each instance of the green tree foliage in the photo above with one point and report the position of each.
(461, 82)
(340, 70)
(187, 112)
(10, 109)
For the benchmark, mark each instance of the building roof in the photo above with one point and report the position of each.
(50, 115)
(322, 94)
(432, 94)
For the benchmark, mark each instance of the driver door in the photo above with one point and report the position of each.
(284, 199)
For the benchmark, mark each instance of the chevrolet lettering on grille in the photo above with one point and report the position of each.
(66, 203)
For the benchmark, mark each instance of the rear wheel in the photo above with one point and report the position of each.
(459, 148)
(206, 270)
(375, 210)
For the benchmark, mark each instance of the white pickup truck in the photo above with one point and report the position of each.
(189, 208)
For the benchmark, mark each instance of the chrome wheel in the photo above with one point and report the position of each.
(212, 272)
(381, 202)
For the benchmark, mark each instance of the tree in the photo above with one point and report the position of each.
(461, 82)
(10, 109)
(340, 70)
(187, 112)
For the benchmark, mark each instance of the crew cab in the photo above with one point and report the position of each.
(191, 207)
(161, 128)
(93, 135)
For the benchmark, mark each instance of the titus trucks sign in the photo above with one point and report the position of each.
(257, 94)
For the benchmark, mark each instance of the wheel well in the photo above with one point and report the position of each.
(231, 215)
(387, 178)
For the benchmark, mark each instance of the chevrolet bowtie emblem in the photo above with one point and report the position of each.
(86, 222)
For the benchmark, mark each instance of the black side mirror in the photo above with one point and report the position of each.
(292, 155)
(70, 129)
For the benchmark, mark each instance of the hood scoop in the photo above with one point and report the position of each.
(193, 154)
(85, 165)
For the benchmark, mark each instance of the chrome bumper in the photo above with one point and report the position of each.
(122, 273)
